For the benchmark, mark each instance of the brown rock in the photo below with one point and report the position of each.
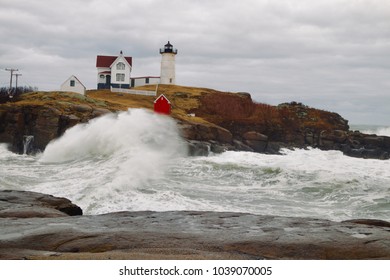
(256, 141)
(253, 135)
(81, 108)
(373, 141)
(257, 146)
(204, 132)
(97, 112)
(340, 136)
(370, 222)
(23, 204)
(224, 135)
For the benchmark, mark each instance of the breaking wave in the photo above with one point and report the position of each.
(136, 161)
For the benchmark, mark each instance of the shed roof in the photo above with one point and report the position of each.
(162, 95)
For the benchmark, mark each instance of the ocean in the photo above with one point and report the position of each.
(372, 129)
(137, 161)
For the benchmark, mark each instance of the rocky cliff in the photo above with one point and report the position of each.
(209, 120)
(45, 116)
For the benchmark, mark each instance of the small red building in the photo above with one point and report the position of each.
(162, 105)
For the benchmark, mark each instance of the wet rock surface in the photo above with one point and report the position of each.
(185, 235)
(23, 204)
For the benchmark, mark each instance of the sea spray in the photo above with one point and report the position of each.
(116, 155)
(136, 132)
(299, 183)
(4, 152)
(379, 130)
(27, 144)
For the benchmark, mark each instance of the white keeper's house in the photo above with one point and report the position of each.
(115, 71)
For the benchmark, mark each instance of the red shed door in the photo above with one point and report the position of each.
(162, 105)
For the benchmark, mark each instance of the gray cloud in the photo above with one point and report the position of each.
(332, 54)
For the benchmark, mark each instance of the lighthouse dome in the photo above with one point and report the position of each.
(168, 48)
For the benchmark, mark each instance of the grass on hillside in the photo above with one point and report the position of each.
(209, 106)
(121, 101)
(57, 99)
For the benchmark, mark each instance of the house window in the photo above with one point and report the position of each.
(101, 76)
(120, 66)
(72, 83)
(120, 77)
(170, 81)
(146, 80)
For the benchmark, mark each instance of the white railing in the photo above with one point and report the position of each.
(134, 91)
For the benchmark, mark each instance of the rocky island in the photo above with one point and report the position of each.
(209, 120)
(40, 226)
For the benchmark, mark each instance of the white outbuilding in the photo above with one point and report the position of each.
(72, 84)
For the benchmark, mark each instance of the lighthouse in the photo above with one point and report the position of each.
(168, 54)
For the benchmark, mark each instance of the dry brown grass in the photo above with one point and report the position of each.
(209, 106)
(300, 117)
(232, 107)
(184, 100)
(56, 99)
(122, 101)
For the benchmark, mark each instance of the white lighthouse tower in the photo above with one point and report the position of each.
(167, 75)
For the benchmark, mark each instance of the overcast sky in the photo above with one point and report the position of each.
(329, 54)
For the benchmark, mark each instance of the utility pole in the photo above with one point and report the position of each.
(16, 80)
(12, 70)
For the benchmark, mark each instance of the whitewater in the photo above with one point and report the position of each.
(136, 160)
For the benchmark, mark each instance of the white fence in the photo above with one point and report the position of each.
(134, 91)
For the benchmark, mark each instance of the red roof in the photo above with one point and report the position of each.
(107, 60)
(161, 98)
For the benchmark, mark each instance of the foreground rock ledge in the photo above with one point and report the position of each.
(40, 226)
(190, 235)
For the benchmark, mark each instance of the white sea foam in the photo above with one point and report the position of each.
(136, 132)
(373, 129)
(106, 160)
(382, 131)
(135, 161)
(309, 182)
(3, 151)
